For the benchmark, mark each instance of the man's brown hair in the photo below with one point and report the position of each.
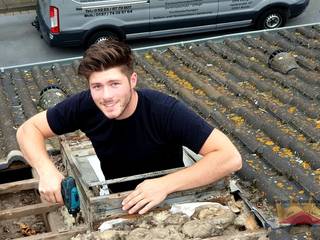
(104, 55)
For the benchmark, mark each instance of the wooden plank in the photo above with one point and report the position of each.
(135, 177)
(56, 222)
(18, 186)
(84, 193)
(57, 235)
(207, 190)
(241, 236)
(44, 215)
(34, 209)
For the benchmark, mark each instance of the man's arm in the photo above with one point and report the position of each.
(220, 158)
(31, 137)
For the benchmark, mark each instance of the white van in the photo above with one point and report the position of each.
(83, 22)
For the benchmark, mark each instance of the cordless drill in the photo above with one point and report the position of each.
(70, 196)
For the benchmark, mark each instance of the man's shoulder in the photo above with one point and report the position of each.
(81, 96)
(157, 98)
(81, 101)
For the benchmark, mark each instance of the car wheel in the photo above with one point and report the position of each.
(272, 18)
(101, 36)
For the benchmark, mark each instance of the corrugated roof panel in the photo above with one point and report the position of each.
(262, 90)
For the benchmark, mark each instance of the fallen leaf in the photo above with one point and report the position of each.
(26, 230)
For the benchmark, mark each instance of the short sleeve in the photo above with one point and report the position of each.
(64, 117)
(187, 127)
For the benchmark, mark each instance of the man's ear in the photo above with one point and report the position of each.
(133, 79)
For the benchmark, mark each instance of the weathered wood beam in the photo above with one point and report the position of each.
(56, 235)
(34, 209)
(242, 236)
(18, 186)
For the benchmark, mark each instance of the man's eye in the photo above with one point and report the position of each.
(96, 87)
(115, 84)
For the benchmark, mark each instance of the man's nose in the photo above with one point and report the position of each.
(107, 94)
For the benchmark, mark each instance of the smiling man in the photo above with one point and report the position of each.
(132, 131)
(112, 92)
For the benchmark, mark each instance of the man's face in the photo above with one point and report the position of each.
(112, 92)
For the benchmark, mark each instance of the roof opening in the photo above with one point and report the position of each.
(16, 172)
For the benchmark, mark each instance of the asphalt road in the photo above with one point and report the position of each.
(20, 43)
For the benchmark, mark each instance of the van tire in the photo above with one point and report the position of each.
(101, 36)
(272, 18)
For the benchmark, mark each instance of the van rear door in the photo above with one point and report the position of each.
(43, 11)
(182, 16)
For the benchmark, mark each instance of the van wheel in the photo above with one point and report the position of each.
(101, 36)
(272, 18)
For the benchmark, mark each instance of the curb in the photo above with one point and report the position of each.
(17, 6)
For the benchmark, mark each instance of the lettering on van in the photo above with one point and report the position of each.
(107, 11)
(183, 8)
(240, 4)
(183, 4)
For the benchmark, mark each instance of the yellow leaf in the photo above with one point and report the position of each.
(292, 110)
(269, 143)
(286, 153)
(148, 56)
(260, 139)
(305, 165)
(276, 149)
(237, 119)
(280, 185)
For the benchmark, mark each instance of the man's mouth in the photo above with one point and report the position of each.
(108, 105)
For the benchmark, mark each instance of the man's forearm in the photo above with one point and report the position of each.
(31, 138)
(210, 168)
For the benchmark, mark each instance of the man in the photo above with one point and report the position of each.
(131, 131)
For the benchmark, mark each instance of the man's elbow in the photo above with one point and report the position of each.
(24, 130)
(236, 160)
(19, 133)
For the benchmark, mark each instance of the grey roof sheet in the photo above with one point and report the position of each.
(273, 117)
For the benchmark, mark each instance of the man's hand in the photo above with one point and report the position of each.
(50, 185)
(147, 194)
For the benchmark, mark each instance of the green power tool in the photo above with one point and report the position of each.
(70, 196)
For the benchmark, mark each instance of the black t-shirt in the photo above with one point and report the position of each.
(149, 140)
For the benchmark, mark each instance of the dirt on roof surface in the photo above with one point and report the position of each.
(262, 90)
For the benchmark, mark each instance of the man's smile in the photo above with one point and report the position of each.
(108, 105)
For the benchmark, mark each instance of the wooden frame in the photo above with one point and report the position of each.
(76, 150)
(43, 208)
